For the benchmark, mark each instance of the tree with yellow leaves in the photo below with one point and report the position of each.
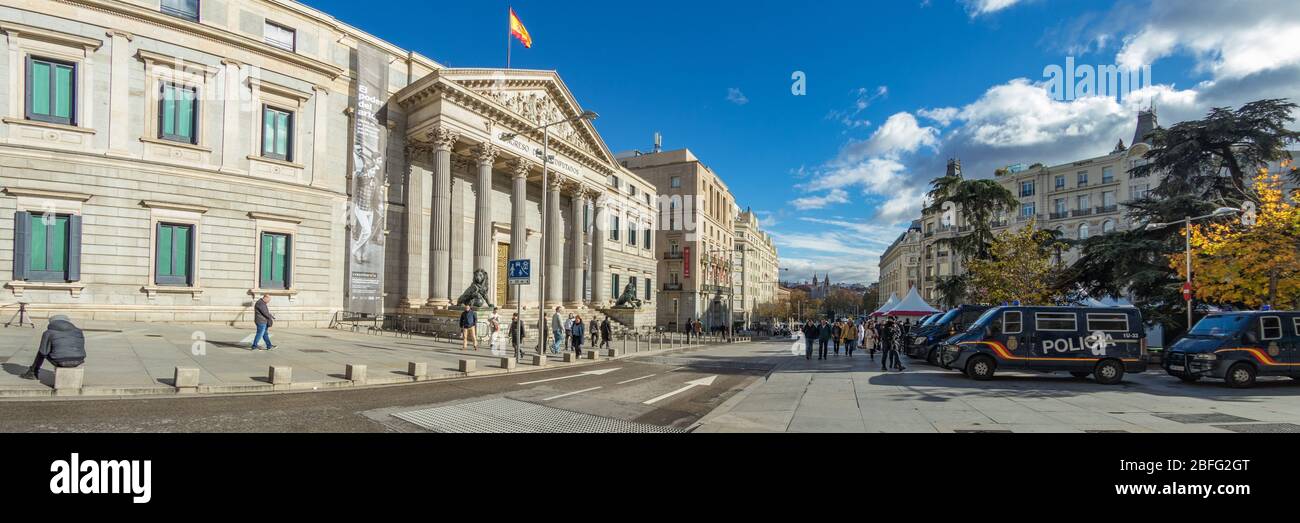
(1250, 265)
(1019, 268)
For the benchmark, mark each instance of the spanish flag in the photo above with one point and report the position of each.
(518, 30)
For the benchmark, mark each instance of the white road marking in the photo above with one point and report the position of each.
(635, 379)
(601, 372)
(702, 382)
(570, 394)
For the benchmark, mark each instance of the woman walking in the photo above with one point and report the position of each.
(575, 334)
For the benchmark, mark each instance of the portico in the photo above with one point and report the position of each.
(474, 191)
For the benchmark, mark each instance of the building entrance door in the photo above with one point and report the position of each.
(503, 262)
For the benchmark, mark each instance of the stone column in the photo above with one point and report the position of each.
(417, 226)
(518, 221)
(577, 241)
(440, 264)
(599, 272)
(484, 155)
(235, 94)
(118, 93)
(554, 239)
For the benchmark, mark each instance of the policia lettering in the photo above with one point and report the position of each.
(1095, 343)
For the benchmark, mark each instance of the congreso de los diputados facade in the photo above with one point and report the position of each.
(171, 160)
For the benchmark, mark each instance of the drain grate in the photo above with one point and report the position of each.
(1192, 419)
(979, 431)
(1263, 428)
(503, 415)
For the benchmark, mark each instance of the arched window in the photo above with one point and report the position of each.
(1083, 231)
(1107, 226)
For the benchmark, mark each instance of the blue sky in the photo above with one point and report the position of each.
(894, 88)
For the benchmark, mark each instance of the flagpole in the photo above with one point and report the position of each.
(509, 44)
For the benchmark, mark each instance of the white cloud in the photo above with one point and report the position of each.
(1229, 40)
(940, 115)
(820, 202)
(736, 97)
(985, 7)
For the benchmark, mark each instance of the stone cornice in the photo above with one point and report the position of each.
(42, 193)
(59, 37)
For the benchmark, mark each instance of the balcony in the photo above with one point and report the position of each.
(1059, 215)
(1022, 218)
(677, 255)
(672, 286)
(1107, 209)
(1081, 212)
(929, 234)
(1002, 223)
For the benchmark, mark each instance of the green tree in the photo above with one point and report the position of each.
(978, 201)
(1019, 269)
(952, 290)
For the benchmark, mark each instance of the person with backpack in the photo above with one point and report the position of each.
(576, 331)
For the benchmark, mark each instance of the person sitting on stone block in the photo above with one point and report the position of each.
(62, 343)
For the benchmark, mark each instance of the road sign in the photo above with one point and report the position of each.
(521, 272)
(1187, 292)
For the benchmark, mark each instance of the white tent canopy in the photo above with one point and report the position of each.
(889, 304)
(912, 305)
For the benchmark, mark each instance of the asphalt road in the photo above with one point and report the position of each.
(616, 390)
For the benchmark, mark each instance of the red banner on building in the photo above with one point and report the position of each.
(686, 262)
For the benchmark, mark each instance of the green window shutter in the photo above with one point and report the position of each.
(614, 281)
(185, 120)
(181, 253)
(267, 241)
(39, 87)
(40, 245)
(268, 131)
(282, 135)
(63, 89)
(59, 240)
(164, 252)
(168, 111)
(74, 247)
(288, 263)
(22, 244)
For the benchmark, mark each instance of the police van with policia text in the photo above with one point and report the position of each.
(927, 340)
(1099, 341)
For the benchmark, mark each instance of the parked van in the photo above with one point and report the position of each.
(1237, 347)
(925, 342)
(1099, 341)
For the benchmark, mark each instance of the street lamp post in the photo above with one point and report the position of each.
(546, 195)
(1187, 229)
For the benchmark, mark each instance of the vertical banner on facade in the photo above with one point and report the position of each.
(686, 262)
(365, 286)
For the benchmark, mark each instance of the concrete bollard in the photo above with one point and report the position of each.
(539, 360)
(467, 366)
(570, 357)
(592, 355)
(186, 381)
(417, 370)
(507, 363)
(67, 380)
(355, 373)
(280, 376)
(611, 353)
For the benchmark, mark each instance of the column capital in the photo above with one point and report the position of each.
(485, 154)
(519, 168)
(419, 152)
(555, 183)
(443, 138)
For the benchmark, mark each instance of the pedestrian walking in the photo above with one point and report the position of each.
(263, 318)
(847, 335)
(576, 331)
(468, 328)
(495, 343)
(568, 332)
(810, 335)
(824, 336)
(557, 329)
(886, 344)
(62, 343)
(860, 335)
(517, 336)
(606, 332)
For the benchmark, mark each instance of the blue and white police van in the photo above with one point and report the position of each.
(1238, 347)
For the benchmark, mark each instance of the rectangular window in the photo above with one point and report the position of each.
(1027, 210)
(1056, 322)
(646, 234)
(1083, 178)
(1084, 202)
(174, 255)
(631, 280)
(676, 182)
(1012, 322)
(614, 229)
(280, 36)
(277, 134)
(1026, 188)
(1060, 182)
(631, 233)
(1108, 322)
(1270, 328)
(51, 91)
(1060, 205)
(649, 289)
(178, 113)
(1295, 322)
(1107, 174)
(617, 291)
(187, 9)
(48, 255)
(276, 256)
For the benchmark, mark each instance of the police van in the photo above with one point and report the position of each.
(1238, 347)
(926, 340)
(1098, 341)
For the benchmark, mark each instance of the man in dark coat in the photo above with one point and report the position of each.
(62, 343)
(468, 328)
(517, 335)
(810, 335)
(263, 318)
(606, 332)
(824, 335)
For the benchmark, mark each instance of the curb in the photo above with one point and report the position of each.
(46, 393)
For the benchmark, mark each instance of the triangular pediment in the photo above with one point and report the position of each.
(537, 97)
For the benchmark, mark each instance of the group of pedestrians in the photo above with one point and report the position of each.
(571, 333)
(886, 336)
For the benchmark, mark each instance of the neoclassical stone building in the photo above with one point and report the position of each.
(169, 160)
